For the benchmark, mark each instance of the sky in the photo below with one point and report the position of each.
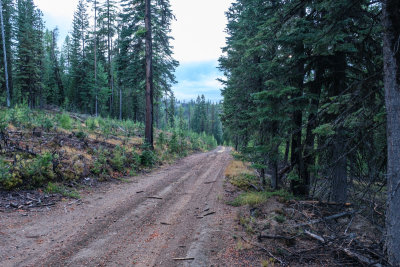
(199, 32)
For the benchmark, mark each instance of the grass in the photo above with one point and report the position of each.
(237, 168)
(257, 198)
(53, 188)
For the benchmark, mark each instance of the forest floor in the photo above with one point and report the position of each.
(175, 216)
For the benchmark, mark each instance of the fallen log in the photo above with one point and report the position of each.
(332, 217)
(317, 237)
(316, 202)
(358, 257)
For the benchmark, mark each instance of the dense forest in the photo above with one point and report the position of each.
(304, 97)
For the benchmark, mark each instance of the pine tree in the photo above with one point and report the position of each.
(79, 93)
(292, 70)
(131, 56)
(29, 53)
(107, 23)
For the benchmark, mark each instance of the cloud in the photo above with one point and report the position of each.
(199, 30)
(197, 79)
(199, 33)
(61, 9)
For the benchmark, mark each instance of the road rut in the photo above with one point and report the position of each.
(174, 212)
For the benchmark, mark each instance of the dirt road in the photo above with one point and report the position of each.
(174, 212)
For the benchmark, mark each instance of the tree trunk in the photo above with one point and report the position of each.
(57, 67)
(298, 187)
(338, 148)
(309, 152)
(120, 103)
(5, 55)
(149, 77)
(109, 48)
(391, 53)
(95, 56)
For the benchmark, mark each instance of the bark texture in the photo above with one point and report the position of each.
(338, 148)
(149, 77)
(3, 35)
(391, 52)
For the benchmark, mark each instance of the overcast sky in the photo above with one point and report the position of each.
(198, 32)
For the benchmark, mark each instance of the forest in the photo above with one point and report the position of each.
(311, 96)
(304, 99)
(100, 68)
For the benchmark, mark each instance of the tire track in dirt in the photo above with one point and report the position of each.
(121, 227)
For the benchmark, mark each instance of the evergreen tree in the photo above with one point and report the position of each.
(79, 93)
(292, 70)
(29, 53)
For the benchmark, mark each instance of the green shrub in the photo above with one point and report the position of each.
(243, 181)
(19, 115)
(162, 140)
(195, 141)
(173, 145)
(134, 160)
(92, 124)
(3, 125)
(100, 165)
(65, 121)
(40, 169)
(119, 159)
(81, 135)
(8, 180)
(148, 158)
(46, 124)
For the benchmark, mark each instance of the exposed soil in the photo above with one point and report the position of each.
(175, 212)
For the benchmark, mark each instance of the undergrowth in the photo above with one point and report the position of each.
(253, 198)
(59, 148)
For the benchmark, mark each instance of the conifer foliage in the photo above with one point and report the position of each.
(100, 68)
(303, 98)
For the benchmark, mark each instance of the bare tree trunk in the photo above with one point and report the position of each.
(149, 77)
(95, 56)
(110, 78)
(391, 53)
(338, 148)
(5, 54)
(120, 103)
(298, 186)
